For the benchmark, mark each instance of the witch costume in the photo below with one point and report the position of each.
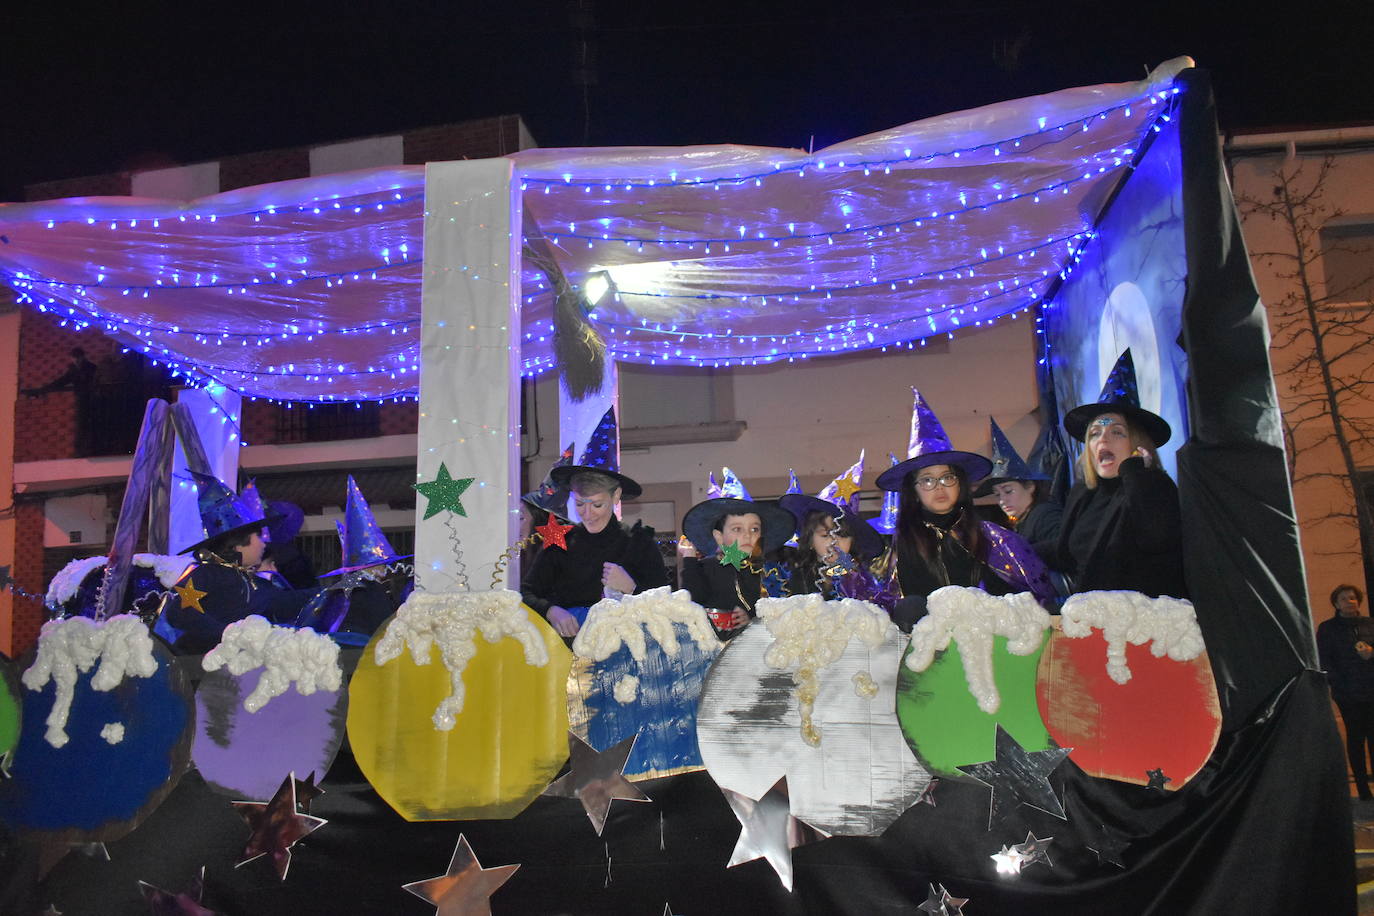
(352, 608)
(214, 591)
(1126, 532)
(847, 576)
(1041, 522)
(714, 581)
(1004, 562)
(571, 577)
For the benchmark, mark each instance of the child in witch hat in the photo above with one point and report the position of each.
(222, 585)
(600, 557)
(939, 540)
(1122, 523)
(730, 534)
(834, 545)
(366, 594)
(1022, 492)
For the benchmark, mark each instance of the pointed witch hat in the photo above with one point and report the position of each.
(734, 499)
(892, 502)
(1120, 394)
(929, 445)
(1007, 463)
(222, 511)
(840, 500)
(602, 455)
(792, 485)
(549, 496)
(364, 544)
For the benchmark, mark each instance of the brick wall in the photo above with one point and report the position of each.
(480, 139)
(400, 419)
(46, 426)
(117, 184)
(28, 574)
(252, 169)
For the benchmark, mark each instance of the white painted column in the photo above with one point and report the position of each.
(469, 370)
(577, 420)
(218, 412)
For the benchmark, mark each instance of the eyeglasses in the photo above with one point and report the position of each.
(930, 483)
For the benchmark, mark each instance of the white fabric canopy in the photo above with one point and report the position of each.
(720, 255)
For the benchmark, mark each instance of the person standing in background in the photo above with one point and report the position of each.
(1345, 645)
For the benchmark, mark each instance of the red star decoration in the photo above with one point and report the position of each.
(554, 534)
(276, 827)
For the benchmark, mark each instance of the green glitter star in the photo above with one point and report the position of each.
(731, 555)
(443, 492)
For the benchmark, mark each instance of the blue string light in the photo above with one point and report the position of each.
(317, 207)
(1062, 131)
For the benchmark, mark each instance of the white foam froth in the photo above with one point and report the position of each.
(67, 648)
(972, 617)
(452, 620)
(1167, 625)
(287, 655)
(612, 623)
(810, 633)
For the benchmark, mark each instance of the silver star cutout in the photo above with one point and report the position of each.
(940, 903)
(1009, 860)
(597, 778)
(1019, 777)
(768, 830)
(1035, 849)
(466, 888)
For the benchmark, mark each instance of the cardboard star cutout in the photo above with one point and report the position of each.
(306, 792)
(554, 534)
(1157, 779)
(845, 488)
(466, 888)
(1035, 849)
(731, 555)
(443, 492)
(940, 903)
(185, 903)
(1019, 777)
(597, 778)
(768, 830)
(190, 596)
(275, 827)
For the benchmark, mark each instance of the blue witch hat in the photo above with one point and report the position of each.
(892, 502)
(253, 500)
(792, 485)
(602, 455)
(1007, 464)
(364, 544)
(1120, 394)
(221, 510)
(549, 496)
(732, 498)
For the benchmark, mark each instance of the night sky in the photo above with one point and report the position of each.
(125, 87)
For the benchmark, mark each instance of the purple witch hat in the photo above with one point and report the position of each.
(221, 510)
(1007, 463)
(549, 496)
(253, 500)
(840, 498)
(792, 485)
(731, 486)
(1120, 394)
(892, 502)
(364, 544)
(929, 444)
(851, 478)
(712, 488)
(602, 455)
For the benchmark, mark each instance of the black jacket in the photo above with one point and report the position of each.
(1351, 677)
(1124, 534)
(1040, 528)
(217, 595)
(572, 578)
